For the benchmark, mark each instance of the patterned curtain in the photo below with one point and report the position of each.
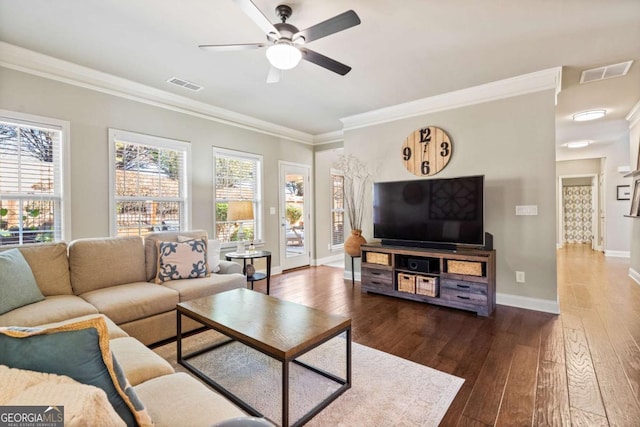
(578, 213)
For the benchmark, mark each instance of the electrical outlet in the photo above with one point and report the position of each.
(519, 276)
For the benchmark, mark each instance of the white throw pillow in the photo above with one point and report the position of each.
(214, 255)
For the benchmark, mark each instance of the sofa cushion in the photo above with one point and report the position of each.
(101, 263)
(18, 287)
(182, 260)
(80, 351)
(138, 362)
(125, 303)
(199, 406)
(50, 267)
(83, 404)
(213, 250)
(51, 309)
(114, 330)
(151, 249)
(190, 289)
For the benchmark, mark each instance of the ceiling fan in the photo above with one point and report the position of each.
(286, 43)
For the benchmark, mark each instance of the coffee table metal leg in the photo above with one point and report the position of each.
(285, 393)
(179, 334)
(349, 356)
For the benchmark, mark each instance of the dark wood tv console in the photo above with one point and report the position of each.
(463, 278)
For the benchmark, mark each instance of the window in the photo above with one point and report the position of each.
(237, 176)
(32, 158)
(337, 209)
(149, 183)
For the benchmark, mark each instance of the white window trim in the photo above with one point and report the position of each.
(156, 141)
(259, 217)
(65, 160)
(339, 247)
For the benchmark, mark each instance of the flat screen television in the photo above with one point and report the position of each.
(432, 212)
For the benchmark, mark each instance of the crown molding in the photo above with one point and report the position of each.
(328, 138)
(28, 61)
(634, 115)
(515, 86)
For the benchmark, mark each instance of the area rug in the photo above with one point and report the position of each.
(386, 390)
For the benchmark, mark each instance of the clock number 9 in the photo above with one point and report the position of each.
(406, 153)
(445, 149)
(424, 168)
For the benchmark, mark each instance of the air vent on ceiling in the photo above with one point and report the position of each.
(606, 72)
(185, 84)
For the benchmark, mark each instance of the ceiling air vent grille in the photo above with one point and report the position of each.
(606, 72)
(185, 84)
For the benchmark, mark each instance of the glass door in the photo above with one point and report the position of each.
(294, 215)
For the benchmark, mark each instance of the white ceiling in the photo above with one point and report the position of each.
(402, 51)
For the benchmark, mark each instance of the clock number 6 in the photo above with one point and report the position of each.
(406, 153)
(425, 169)
(445, 149)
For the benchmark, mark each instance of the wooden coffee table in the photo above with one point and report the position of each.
(286, 331)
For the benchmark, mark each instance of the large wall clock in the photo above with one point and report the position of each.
(427, 151)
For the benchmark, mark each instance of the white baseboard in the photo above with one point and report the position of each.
(328, 259)
(558, 245)
(548, 306)
(617, 254)
(276, 270)
(634, 275)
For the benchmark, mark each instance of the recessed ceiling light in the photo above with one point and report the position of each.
(577, 144)
(589, 115)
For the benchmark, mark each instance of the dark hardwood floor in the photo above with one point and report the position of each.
(521, 367)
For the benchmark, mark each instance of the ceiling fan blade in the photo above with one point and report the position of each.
(340, 22)
(230, 47)
(324, 61)
(274, 75)
(252, 11)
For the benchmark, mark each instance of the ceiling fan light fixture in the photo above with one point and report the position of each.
(284, 55)
(589, 115)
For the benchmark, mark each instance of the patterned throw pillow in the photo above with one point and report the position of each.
(79, 350)
(182, 260)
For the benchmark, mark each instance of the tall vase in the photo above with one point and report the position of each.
(353, 243)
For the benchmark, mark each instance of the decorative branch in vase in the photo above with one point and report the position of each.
(357, 181)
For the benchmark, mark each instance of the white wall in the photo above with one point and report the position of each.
(91, 113)
(634, 155)
(512, 143)
(325, 157)
(615, 154)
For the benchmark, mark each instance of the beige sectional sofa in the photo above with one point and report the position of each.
(113, 278)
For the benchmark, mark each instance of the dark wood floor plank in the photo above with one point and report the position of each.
(617, 394)
(552, 395)
(520, 391)
(584, 393)
(585, 419)
(552, 340)
(484, 402)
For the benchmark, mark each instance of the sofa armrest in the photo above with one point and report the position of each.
(228, 267)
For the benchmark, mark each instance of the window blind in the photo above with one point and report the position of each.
(30, 183)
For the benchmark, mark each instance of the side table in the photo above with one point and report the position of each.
(251, 255)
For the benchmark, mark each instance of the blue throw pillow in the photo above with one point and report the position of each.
(18, 287)
(80, 351)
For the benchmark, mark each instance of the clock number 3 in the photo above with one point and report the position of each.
(445, 149)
